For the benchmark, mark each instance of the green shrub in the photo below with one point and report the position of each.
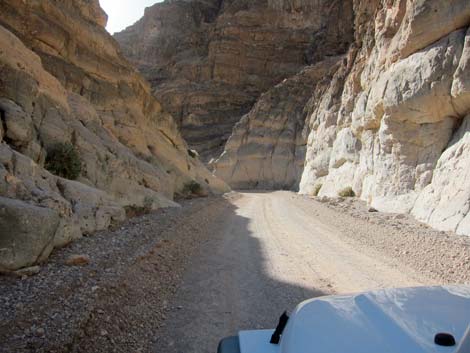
(347, 192)
(148, 203)
(192, 187)
(316, 189)
(63, 160)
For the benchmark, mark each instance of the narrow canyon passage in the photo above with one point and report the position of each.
(268, 254)
(123, 227)
(178, 280)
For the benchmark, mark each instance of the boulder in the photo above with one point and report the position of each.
(78, 260)
(26, 233)
(93, 208)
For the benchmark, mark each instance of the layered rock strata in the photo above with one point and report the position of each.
(267, 147)
(209, 61)
(392, 124)
(62, 80)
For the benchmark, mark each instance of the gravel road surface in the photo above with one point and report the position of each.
(178, 280)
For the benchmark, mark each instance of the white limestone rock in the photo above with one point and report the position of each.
(445, 203)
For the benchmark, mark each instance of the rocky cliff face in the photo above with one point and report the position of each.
(267, 147)
(62, 80)
(392, 123)
(391, 132)
(209, 61)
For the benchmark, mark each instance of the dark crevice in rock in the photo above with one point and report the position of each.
(169, 139)
(3, 119)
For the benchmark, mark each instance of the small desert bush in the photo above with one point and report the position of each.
(148, 202)
(192, 187)
(63, 160)
(316, 189)
(136, 211)
(347, 192)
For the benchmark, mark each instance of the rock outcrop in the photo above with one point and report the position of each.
(392, 122)
(267, 147)
(63, 81)
(18, 221)
(392, 130)
(209, 61)
(444, 203)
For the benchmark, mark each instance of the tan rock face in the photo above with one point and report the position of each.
(267, 147)
(391, 122)
(17, 221)
(63, 81)
(208, 61)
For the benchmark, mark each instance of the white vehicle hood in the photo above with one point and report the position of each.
(385, 321)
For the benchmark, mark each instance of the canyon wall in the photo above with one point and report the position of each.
(309, 95)
(392, 123)
(393, 133)
(209, 61)
(63, 81)
(268, 146)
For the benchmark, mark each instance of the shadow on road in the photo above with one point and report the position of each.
(207, 250)
(226, 288)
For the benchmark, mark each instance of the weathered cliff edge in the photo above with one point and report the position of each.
(392, 123)
(62, 80)
(208, 61)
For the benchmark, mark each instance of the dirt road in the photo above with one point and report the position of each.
(270, 253)
(178, 280)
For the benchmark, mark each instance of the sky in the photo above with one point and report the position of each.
(123, 13)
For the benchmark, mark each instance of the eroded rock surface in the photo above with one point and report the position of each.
(18, 220)
(445, 202)
(209, 61)
(391, 122)
(267, 147)
(63, 81)
(402, 100)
